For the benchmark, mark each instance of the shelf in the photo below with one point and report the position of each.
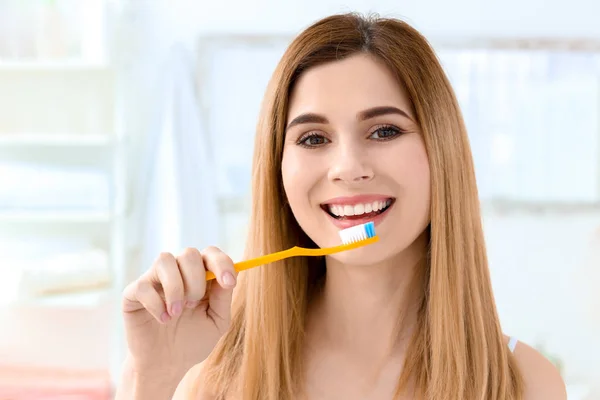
(29, 217)
(55, 140)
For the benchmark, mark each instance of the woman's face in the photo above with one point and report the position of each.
(353, 153)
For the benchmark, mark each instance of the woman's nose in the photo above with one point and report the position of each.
(350, 164)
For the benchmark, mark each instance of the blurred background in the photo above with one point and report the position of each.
(126, 129)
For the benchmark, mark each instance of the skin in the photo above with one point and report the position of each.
(351, 349)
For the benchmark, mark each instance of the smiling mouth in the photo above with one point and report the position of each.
(358, 211)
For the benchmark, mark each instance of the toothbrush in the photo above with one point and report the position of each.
(352, 238)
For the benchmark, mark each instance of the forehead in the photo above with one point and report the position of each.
(356, 83)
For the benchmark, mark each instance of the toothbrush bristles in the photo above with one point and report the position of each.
(357, 233)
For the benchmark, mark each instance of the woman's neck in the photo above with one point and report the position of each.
(369, 311)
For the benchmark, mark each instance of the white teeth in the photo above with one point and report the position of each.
(336, 210)
(358, 209)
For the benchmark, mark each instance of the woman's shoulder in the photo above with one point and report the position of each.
(192, 386)
(542, 379)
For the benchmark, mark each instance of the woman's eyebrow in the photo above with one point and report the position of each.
(313, 118)
(382, 110)
(307, 118)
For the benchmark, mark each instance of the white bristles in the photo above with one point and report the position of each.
(357, 233)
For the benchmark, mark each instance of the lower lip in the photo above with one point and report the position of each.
(348, 223)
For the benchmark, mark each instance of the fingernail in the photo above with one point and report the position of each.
(165, 317)
(176, 308)
(228, 279)
(192, 304)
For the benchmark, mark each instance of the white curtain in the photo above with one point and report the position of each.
(176, 194)
(171, 199)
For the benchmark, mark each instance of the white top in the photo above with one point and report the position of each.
(512, 343)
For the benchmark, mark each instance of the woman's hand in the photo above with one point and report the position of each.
(174, 318)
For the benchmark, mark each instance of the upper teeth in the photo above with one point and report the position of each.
(358, 209)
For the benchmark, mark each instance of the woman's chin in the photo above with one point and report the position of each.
(366, 255)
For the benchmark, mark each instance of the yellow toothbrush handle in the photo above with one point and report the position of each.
(258, 261)
(293, 252)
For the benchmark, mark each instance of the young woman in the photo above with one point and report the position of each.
(359, 124)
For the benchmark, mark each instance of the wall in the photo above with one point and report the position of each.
(545, 275)
(477, 18)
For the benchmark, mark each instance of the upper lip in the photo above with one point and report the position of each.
(358, 199)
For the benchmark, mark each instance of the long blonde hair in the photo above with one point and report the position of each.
(458, 351)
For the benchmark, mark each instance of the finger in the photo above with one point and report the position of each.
(193, 273)
(166, 272)
(142, 294)
(221, 290)
(221, 265)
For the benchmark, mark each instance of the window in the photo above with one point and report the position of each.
(532, 118)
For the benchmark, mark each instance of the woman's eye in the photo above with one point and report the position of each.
(386, 132)
(313, 140)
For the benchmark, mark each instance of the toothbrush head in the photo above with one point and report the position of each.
(358, 233)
